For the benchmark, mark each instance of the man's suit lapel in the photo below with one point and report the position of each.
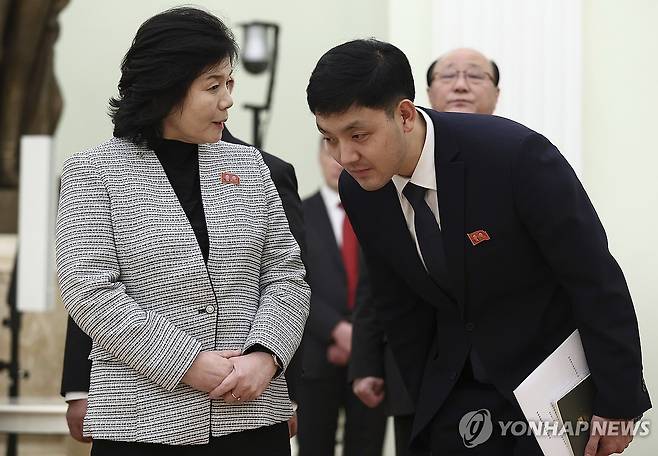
(450, 191)
(319, 217)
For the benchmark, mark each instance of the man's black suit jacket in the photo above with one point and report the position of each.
(77, 366)
(545, 271)
(372, 356)
(329, 306)
(328, 288)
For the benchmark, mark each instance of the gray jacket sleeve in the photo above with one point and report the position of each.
(92, 291)
(284, 300)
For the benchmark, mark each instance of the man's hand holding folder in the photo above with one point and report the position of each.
(608, 442)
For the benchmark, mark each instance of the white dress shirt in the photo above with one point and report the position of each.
(336, 213)
(424, 175)
(75, 395)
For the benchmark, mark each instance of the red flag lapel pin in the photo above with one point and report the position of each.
(478, 236)
(230, 178)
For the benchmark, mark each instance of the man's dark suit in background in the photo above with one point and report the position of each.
(77, 366)
(372, 356)
(324, 387)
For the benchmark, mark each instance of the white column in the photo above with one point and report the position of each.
(537, 46)
(36, 226)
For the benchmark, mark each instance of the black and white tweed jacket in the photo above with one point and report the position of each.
(132, 276)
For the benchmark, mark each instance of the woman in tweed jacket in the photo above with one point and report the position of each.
(175, 256)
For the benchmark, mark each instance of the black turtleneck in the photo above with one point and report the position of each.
(181, 164)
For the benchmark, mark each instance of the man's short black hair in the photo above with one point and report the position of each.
(169, 51)
(494, 67)
(366, 73)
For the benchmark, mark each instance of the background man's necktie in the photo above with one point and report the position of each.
(350, 253)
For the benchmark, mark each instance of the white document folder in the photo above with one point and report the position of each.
(565, 368)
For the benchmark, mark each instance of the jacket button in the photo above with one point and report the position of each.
(470, 326)
(453, 376)
(210, 309)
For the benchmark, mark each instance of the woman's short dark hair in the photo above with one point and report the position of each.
(367, 73)
(169, 51)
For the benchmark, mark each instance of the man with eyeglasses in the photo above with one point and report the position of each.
(461, 80)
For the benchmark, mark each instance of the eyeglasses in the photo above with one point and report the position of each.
(473, 76)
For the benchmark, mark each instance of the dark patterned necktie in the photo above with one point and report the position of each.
(428, 232)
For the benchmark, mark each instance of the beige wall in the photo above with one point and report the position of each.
(621, 156)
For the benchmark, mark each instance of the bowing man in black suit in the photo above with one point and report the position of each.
(77, 366)
(483, 250)
(372, 363)
(337, 281)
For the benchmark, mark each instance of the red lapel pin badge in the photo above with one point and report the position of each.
(478, 236)
(230, 178)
